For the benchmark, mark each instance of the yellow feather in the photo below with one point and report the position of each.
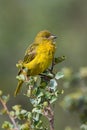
(38, 56)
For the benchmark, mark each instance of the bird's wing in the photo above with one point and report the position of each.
(30, 53)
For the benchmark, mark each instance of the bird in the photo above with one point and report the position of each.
(38, 56)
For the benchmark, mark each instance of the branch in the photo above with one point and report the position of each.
(49, 114)
(8, 113)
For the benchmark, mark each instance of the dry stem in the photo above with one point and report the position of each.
(8, 113)
(49, 114)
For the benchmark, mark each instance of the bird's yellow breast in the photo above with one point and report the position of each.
(42, 60)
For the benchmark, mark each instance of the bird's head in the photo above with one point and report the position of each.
(45, 35)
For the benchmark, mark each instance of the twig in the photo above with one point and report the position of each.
(52, 66)
(8, 113)
(48, 112)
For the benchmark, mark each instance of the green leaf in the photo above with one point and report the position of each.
(43, 84)
(53, 84)
(25, 126)
(47, 95)
(59, 59)
(16, 107)
(12, 113)
(29, 115)
(40, 94)
(3, 111)
(21, 77)
(23, 112)
(59, 75)
(83, 127)
(53, 99)
(39, 125)
(36, 101)
(7, 125)
(37, 110)
(36, 116)
(5, 98)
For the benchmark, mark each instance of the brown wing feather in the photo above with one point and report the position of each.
(30, 53)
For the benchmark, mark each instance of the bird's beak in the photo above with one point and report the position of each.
(53, 37)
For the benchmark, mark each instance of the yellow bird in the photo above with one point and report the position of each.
(38, 56)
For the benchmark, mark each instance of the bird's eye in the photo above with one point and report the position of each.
(47, 36)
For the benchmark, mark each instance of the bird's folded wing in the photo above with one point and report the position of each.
(30, 53)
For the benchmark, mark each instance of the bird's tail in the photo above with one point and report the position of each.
(20, 82)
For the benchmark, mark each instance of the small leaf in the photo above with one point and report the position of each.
(39, 125)
(12, 113)
(5, 98)
(3, 111)
(23, 112)
(36, 116)
(53, 84)
(59, 59)
(7, 125)
(45, 104)
(48, 95)
(29, 115)
(83, 127)
(36, 101)
(59, 75)
(43, 84)
(25, 126)
(29, 92)
(16, 107)
(37, 110)
(21, 77)
(40, 94)
(53, 99)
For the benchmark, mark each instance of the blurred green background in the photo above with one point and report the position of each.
(21, 20)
